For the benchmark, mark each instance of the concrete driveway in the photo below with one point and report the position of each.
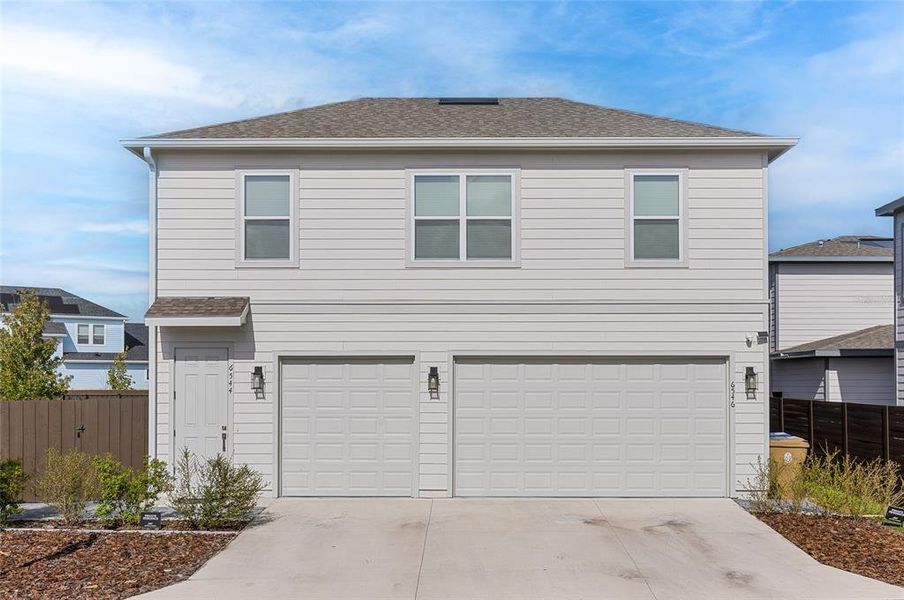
(498, 549)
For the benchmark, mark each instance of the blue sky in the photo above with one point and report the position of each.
(77, 77)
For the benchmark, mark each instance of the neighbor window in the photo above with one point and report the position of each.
(656, 217)
(98, 335)
(463, 217)
(267, 218)
(83, 332)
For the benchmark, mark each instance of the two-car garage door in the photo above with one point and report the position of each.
(521, 427)
(587, 427)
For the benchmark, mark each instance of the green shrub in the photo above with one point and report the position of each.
(125, 493)
(12, 483)
(68, 482)
(762, 489)
(214, 493)
(851, 487)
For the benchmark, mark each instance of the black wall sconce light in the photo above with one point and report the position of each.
(750, 383)
(433, 383)
(257, 380)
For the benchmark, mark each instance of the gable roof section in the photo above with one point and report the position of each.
(844, 248)
(878, 340)
(513, 122)
(889, 210)
(61, 302)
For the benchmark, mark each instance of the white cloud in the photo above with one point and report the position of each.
(122, 227)
(116, 65)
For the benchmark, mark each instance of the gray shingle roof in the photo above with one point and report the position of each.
(54, 328)
(60, 301)
(427, 118)
(213, 306)
(888, 210)
(878, 337)
(841, 247)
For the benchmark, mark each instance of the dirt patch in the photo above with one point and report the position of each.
(102, 566)
(596, 522)
(854, 544)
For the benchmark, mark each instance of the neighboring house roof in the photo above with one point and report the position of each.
(889, 210)
(209, 310)
(54, 329)
(136, 343)
(844, 248)
(481, 122)
(878, 340)
(60, 301)
(428, 118)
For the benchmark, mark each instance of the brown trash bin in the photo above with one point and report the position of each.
(789, 452)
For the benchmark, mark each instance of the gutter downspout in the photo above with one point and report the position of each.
(152, 295)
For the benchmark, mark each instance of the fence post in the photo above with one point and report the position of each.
(781, 411)
(844, 428)
(886, 433)
(810, 425)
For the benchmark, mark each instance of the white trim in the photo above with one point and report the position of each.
(78, 334)
(102, 361)
(779, 145)
(151, 373)
(462, 218)
(240, 218)
(103, 330)
(681, 261)
(198, 321)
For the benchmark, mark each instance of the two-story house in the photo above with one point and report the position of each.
(469, 297)
(895, 210)
(832, 309)
(90, 337)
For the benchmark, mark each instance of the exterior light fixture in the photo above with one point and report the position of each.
(433, 383)
(257, 380)
(750, 383)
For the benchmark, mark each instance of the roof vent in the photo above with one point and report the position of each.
(821, 242)
(469, 101)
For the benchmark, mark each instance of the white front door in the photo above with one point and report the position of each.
(201, 402)
(591, 427)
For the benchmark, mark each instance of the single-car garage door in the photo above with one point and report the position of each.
(347, 427)
(588, 427)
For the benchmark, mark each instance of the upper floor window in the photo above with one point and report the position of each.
(464, 218)
(98, 337)
(266, 214)
(656, 227)
(83, 333)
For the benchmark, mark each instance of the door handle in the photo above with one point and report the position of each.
(223, 436)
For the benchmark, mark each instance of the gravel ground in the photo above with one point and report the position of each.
(854, 544)
(99, 566)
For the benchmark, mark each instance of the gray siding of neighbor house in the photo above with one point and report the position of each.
(845, 379)
(899, 305)
(571, 295)
(802, 378)
(814, 301)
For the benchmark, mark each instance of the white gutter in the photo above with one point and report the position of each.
(778, 144)
(152, 295)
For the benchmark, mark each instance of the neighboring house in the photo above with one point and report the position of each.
(832, 309)
(895, 209)
(90, 337)
(468, 297)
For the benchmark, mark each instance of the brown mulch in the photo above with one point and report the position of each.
(98, 566)
(168, 524)
(854, 544)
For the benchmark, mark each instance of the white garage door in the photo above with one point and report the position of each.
(348, 427)
(579, 427)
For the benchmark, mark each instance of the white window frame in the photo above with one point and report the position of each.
(78, 335)
(681, 261)
(240, 219)
(463, 261)
(103, 334)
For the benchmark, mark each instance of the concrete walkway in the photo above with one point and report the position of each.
(519, 549)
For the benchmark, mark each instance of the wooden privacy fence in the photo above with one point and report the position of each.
(92, 421)
(865, 431)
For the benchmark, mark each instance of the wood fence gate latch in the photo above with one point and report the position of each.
(78, 431)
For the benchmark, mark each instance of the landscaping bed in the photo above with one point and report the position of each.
(856, 544)
(82, 565)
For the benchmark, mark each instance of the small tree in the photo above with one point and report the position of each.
(28, 367)
(118, 377)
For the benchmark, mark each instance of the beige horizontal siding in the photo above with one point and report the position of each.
(821, 300)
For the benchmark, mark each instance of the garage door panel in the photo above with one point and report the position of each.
(348, 427)
(594, 427)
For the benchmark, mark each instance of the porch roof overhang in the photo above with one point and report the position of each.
(195, 311)
(876, 341)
